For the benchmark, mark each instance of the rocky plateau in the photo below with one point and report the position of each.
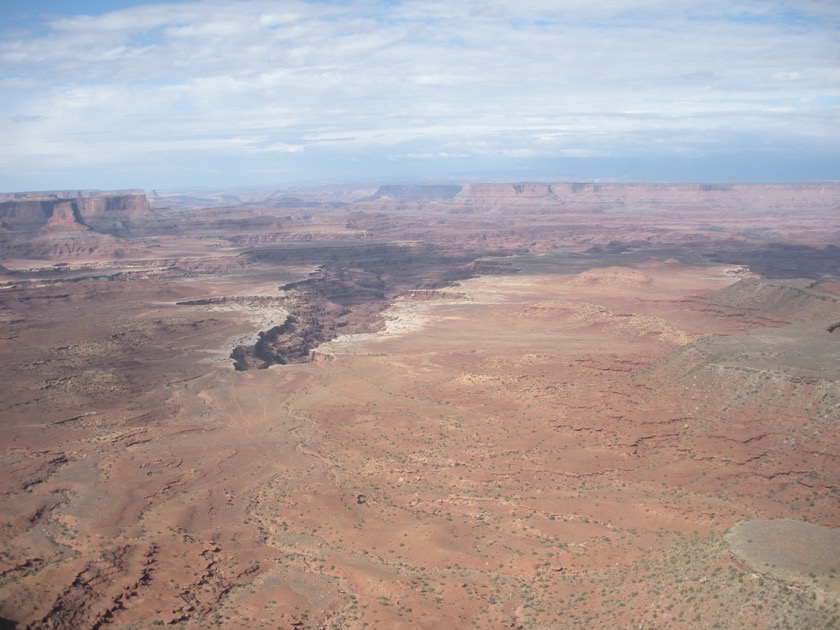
(525, 405)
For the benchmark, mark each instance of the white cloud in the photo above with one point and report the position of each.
(526, 80)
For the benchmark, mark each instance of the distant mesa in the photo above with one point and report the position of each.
(523, 190)
(107, 212)
(68, 223)
(581, 196)
(290, 202)
(416, 192)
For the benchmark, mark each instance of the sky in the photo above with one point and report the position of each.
(165, 95)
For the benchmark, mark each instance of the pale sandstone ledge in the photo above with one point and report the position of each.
(409, 315)
(261, 318)
(794, 551)
(422, 309)
(401, 318)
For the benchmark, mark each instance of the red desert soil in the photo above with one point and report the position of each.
(539, 449)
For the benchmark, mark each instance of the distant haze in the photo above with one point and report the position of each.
(174, 94)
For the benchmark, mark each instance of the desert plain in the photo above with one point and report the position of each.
(489, 406)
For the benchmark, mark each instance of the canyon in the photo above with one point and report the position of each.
(523, 405)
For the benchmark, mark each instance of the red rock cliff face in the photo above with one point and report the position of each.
(107, 212)
(64, 219)
(113, 213)
(25, 215)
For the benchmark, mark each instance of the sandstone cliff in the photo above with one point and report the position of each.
(106, 212)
